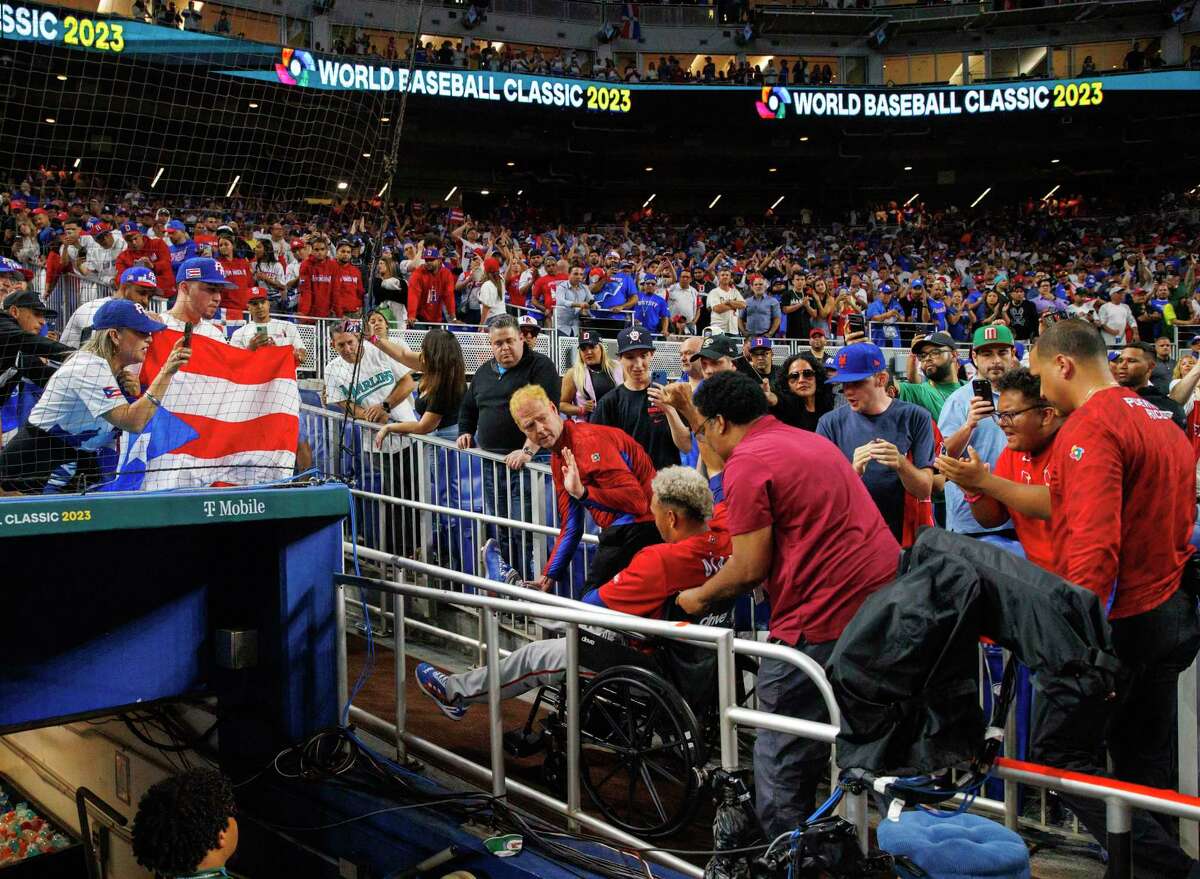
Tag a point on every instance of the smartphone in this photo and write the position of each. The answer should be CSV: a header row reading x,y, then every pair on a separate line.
x,y
658,377
187,335
982,389
855,323
260,330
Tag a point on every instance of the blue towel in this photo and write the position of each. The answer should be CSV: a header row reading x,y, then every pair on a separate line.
x,y
963,846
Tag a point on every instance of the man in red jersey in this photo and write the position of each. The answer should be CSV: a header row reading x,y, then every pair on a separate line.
x,y
316,281
1017,488
696,544
1123,505
431,289
804,526
150,253
601,470
347,283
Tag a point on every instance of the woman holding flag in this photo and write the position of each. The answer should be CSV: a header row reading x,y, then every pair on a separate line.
x,y
83,405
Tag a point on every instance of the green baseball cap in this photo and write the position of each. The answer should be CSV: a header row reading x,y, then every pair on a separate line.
x,y
996,334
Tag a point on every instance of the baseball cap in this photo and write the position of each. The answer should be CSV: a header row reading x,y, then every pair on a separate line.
x,y
817,331
12,267
97,228
176,226
131,229
296,243
857,362
997,334
716,347
634,338
257,294
529,321
917,284
1113,355
117,314
653,279
431,253
16,204
28,299
203,269
885,288
761,342
491,265
589,337
937,340
139,276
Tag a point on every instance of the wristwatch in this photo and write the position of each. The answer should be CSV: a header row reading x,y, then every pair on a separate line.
x,y
385,406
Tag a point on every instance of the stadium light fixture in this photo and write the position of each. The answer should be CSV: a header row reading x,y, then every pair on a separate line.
x,y
981,196
51,119
908,167
157,177
1046,197
233,185
649,167
343,185
511,164
520,192
772,170
382,191
804,139
1055,161
911,200
385,118
253,106
62,77
77,162
646,203
485,192
777,201
366,155
712,204
450,194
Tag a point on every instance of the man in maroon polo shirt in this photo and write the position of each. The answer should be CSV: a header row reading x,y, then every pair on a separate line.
x,y
804,526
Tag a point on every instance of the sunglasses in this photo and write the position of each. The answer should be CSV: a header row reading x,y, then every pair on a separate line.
x,y
804,373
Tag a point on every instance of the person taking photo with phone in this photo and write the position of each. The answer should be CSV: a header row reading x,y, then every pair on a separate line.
x,y
262,329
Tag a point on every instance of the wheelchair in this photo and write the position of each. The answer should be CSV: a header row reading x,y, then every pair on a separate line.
x,y
648,723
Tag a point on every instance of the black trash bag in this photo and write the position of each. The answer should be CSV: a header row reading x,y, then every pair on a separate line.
x,y
905,670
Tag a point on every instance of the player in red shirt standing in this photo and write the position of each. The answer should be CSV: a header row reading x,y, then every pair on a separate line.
x,y
347,283
238,272
431,289
1123,505
805,527
598,469
316,281
696,544
1017,488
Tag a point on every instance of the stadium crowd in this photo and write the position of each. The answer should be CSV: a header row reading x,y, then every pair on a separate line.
x,y
1043,367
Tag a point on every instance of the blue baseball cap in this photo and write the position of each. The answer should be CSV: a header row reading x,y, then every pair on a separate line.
x,y
121,314
203,269
1113,355
761,342
885,288
653,279
131,229
858,361
1090,282
917,284
139,276
176,226
12,267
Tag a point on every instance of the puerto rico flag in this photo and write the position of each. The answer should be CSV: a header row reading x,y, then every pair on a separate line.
x,y
631,26
230,417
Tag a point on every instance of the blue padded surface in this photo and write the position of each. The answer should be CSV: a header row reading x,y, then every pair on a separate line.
x,y
959,847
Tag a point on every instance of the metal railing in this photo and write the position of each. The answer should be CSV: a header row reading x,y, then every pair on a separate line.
x,y
572,615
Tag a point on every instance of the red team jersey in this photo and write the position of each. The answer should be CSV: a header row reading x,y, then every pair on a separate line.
x,y
233,300
347,289
316,286
659,573
616,472
1026,469
430,292
1122,496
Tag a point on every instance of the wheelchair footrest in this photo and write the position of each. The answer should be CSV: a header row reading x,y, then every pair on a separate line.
x,y
524,743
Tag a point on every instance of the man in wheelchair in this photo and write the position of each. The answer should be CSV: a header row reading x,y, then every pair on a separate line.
x,y
696,547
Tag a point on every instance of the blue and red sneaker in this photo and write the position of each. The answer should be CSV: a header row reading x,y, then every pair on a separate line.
x,y
432,682
496,568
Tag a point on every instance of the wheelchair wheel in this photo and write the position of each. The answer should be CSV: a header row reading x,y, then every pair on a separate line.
x,y
641,751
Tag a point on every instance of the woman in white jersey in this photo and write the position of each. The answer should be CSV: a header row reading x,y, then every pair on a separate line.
x,y
83,405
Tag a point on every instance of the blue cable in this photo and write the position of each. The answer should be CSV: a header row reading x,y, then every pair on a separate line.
x,y
834,799
369,665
